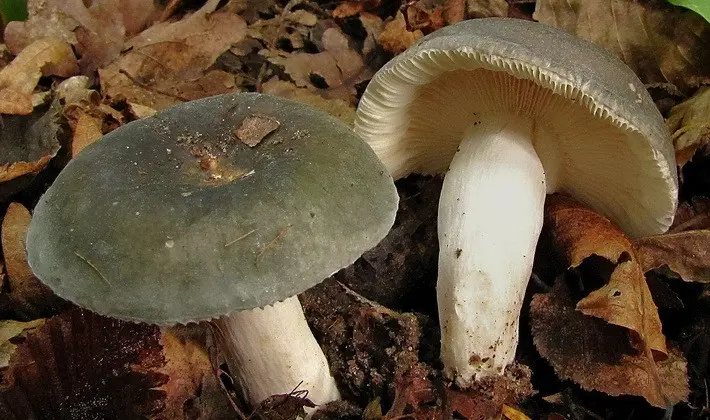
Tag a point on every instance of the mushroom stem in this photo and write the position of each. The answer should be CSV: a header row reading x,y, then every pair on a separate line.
x,y
490,218
272,351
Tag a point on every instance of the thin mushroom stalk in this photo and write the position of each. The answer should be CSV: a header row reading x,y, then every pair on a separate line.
x,y
490,218
272,351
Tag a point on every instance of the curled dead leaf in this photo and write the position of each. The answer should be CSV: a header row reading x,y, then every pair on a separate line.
x,y
600,356
625,300
26,294
396,37
689,123
686,253
9,332
19,78
659,42
28,142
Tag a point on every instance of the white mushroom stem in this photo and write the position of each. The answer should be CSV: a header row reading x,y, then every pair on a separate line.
x,y
490,218
272,351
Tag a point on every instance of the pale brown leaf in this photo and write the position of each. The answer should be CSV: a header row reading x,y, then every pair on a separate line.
x,y
689,124
395,37
487,8
10,329
19,78
659,42
168,62
686,253
335,107
578,233
26,293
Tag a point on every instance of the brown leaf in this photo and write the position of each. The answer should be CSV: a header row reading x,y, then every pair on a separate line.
x,y
692,215
352,8
10,331
255,128
335,107
44,20
689,123
686,253
395,37
168,62
81,365
27,294
487,8
578,233
27,143
192,390
87,130
454,11
19,78
659,42
600,356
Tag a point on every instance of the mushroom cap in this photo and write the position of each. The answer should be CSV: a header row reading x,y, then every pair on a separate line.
x,y
600,135
172,219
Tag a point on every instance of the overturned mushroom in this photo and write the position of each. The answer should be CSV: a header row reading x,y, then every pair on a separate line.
x,y
511,110
172,219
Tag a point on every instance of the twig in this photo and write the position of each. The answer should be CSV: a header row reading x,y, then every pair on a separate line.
x,y
94,267
239,238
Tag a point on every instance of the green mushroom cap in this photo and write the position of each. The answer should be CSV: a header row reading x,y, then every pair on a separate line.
x,y
227,203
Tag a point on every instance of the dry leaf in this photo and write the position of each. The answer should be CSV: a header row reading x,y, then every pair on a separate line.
x,y
26,295
625,300
600,356
27,143
255,128
168,62
79,365
19,78
87,129
692,215
686,253
193,390
487,8
11,330
44,20
661,43
395,37
689,123
352,8
335,107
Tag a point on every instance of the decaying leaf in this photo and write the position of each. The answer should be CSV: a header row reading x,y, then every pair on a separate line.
x,y
10,331
168,62
44,20
659,42
26,294
353,7
487,8
335,107
600,356
192,390
81,365
692,215
579,233
686,253
27,143
689,123
396,37
19,78
255,128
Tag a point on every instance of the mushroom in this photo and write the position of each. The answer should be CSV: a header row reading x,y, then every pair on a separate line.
x,y
175,219
511,110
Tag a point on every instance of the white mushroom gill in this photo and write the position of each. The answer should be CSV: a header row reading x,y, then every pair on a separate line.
x,y
507,134
272,351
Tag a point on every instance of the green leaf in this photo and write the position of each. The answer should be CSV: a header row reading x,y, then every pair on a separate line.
x,y
701,7
13,10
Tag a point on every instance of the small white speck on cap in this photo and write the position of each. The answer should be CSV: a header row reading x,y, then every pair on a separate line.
x,y
169,243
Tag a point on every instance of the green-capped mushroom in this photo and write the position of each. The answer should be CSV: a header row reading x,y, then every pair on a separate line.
x,y
225,207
